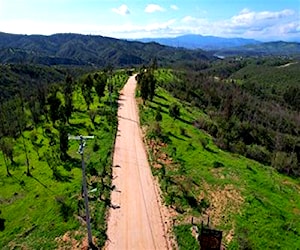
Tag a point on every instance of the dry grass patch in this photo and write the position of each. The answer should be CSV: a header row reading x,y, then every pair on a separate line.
x,y
223,202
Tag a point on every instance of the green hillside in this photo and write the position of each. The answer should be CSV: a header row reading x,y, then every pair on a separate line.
x,y
277,48
88,50
254,205
269,78
223,139
41,206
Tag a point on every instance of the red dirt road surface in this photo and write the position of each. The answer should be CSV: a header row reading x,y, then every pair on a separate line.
x,y
135,220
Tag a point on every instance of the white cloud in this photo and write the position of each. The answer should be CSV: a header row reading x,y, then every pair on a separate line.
x,y
131,30
190,20
122,10
48,27
265,25
250,18
291,28
174,7
153,8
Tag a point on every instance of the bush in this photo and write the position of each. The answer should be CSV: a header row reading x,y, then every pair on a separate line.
x,y
238,147
258,153
174,110
183,131
155,130
96,147
204,142
204,203
2,226
158,116
217,164
66,210
207,125
286,163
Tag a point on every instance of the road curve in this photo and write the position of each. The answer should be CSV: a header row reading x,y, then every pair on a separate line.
x,y
134,220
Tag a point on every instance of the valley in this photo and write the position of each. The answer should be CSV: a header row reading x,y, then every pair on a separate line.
x,y
191,137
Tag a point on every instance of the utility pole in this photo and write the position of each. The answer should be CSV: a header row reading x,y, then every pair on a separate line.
x,y
84,185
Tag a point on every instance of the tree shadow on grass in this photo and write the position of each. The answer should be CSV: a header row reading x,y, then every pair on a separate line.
x,y
161,97
184,121
160,104
58,176
2,224
20,182
211,150
71,163
156,108
175,136
74,127
184,134
109,204
45,186
167,107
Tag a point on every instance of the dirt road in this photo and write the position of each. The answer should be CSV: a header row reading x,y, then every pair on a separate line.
x,y
135,220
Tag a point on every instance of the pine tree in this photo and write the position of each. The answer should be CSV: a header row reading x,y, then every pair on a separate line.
x,y
100,85
63,142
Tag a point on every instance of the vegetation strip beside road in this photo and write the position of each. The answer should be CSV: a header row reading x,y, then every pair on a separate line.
x,y
254,205
40,198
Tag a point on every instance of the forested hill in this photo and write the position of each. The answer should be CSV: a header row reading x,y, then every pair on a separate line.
x,y
16,79
75,49
279,48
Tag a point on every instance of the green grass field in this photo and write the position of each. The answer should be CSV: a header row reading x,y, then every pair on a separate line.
x,y
39,210
254,206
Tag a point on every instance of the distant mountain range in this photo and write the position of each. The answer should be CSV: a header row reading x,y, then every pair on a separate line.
x,y
202,42
75,49
229,46
99,51
269,48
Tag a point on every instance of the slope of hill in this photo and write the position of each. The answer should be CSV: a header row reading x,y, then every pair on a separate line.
x,y
41,203
27,78
202,42
255,206
265,49
75,49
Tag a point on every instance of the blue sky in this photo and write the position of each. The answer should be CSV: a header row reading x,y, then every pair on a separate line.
x,y
259,19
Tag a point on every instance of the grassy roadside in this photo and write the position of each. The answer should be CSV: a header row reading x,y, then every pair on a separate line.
x,y
256,207
46,211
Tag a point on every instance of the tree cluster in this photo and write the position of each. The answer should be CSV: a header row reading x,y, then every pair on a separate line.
x,y
27,112
147,84
243,122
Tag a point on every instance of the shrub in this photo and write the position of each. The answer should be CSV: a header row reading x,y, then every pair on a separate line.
x,y
96,147
207,125
217,164
174,110
204,142
183,131
258,153
158,116
204,203
155,130
66,210
286,163
239,147
2,226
